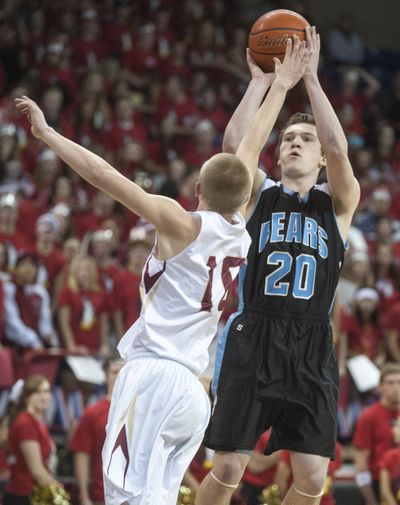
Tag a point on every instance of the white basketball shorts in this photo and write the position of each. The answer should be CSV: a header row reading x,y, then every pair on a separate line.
x,y
159,412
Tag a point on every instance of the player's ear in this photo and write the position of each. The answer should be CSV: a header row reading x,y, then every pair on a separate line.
x,y
197,189
322,162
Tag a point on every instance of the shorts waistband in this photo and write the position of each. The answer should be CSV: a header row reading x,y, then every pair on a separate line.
x,y
275,314
145,354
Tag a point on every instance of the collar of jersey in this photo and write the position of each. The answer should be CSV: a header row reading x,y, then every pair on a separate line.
x,y
287,191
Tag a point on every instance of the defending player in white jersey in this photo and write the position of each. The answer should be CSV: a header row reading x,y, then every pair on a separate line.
x,y
159,409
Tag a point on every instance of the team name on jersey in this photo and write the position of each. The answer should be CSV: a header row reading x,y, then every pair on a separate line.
x,y
289,227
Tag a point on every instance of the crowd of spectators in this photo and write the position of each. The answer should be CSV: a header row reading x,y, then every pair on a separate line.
x,y
150,86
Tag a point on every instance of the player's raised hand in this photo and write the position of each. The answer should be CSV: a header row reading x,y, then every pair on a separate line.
x,y
256,72
292,68
34,114
313,46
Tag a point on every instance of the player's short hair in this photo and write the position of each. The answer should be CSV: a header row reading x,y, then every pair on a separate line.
x,y
225,183
297,118
389,369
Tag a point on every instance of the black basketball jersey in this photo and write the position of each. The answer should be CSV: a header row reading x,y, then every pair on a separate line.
x,y
296,253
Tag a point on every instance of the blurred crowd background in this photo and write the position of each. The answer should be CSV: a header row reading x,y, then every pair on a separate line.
x,y
150,85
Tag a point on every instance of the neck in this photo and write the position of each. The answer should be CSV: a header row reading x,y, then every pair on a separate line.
x,y
44,246
35,413
302,185
390,405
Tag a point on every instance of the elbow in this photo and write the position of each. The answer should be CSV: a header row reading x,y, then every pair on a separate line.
x,y
228,146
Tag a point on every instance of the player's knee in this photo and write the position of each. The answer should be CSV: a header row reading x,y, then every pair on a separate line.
x,y
311,484
229,468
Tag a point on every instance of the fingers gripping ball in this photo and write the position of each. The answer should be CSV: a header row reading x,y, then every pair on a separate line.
x,y
270,33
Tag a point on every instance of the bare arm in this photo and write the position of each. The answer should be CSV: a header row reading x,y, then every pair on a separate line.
x,y
166,214
260,462
393,344
343,186
82,476
386,488
361,457
287,74
282,476
64,317
190,481
247,108
33,459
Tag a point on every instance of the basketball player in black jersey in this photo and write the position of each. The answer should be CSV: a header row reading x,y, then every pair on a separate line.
x,y
276,365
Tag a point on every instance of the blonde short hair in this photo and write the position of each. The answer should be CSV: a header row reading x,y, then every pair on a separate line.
x,y
225,183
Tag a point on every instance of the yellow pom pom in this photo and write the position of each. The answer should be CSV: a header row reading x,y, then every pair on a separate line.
x,y
51,494
186,496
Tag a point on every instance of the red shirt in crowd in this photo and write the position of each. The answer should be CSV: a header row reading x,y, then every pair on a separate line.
x,y
25,427
374,432
86,308
362,338
52,265
391,462
89,438
266,477
127,297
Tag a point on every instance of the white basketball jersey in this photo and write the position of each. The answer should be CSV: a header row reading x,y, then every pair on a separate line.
x,y
183,296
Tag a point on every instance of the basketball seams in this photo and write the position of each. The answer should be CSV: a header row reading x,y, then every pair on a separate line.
x,y
287,28
266,54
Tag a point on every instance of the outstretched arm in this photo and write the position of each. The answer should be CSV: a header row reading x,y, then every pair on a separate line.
x,y
166,214
248,106
287,74
343,186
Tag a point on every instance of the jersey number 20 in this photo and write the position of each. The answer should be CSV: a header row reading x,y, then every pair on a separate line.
x,y
304,277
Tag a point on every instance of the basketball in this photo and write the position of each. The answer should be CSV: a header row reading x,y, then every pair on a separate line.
x,y
269,34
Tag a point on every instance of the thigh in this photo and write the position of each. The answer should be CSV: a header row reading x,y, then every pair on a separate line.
x,y
308,466
239,409
160,409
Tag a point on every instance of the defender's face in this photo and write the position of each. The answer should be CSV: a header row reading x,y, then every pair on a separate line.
x,y
300,151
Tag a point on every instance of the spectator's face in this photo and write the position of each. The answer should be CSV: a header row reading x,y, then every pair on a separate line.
x,y
71,248
39,400
8,214
367,306
390,389
25,271
138,254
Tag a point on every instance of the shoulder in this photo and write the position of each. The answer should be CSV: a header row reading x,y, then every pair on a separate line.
x,y
371,413
93,410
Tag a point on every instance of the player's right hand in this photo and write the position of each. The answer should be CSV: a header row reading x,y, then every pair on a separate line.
x,y
256,72
34,114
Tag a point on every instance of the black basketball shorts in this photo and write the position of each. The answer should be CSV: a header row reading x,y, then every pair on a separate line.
x,y
280,373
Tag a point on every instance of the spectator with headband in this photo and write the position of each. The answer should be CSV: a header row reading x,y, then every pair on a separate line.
x,y
29,442
377,431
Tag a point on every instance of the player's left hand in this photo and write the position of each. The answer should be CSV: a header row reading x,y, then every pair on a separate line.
x,y
34,114
256,72
313,46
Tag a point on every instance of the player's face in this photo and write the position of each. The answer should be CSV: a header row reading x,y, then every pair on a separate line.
x,y
390,389
300,151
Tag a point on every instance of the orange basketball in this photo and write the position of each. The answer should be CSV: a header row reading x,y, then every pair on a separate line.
x,y
269,34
